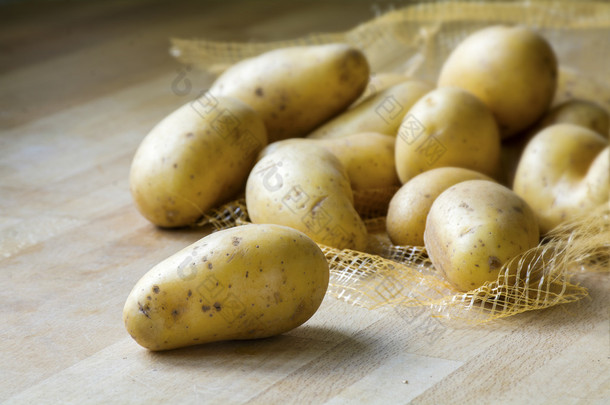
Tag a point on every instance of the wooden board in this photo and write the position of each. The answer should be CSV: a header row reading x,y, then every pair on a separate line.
x,y
81,83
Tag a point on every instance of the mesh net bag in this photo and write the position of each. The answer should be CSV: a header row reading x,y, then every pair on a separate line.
x,y
415,40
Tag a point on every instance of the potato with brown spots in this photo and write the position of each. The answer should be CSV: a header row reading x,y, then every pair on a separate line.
x,y
306,187
296,89
197,157
473,228
248,282
408,210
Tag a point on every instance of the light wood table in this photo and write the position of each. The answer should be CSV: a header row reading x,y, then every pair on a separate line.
x,y
81,83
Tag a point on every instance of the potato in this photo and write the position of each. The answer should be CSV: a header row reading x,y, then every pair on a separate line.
x,y
368,157
378,83
578,112
296,89
447,127
408,210
194,159
382,112
513,70
473,228
305,187
564,171
248,282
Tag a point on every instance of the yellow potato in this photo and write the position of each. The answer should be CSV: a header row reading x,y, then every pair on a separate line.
x,y
408,210
578,112
298,88
248,282
513,70
447,127
368,157
382,112
194,159
379,82
473,228
305,187
564,171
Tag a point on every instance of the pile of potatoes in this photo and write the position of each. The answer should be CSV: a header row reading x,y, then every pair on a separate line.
x,y
482,164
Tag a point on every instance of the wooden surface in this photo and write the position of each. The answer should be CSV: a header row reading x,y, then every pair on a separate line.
x,y
80,84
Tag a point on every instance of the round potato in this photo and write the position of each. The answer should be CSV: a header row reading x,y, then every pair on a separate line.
x,y
473,228
447,127
513,70
304,186
197,157
564,171
298,88
248,282
368,157
408,209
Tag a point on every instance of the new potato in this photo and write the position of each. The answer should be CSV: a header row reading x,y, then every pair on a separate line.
x,y
578,112
447,127
564,171
367,157
473,228
304,186
248,282
381,112
195,158
298,88
513,70
408,210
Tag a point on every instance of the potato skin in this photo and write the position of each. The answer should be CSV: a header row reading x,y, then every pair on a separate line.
x,y
194,159
473,228
368,157
298,88
379,82
408,209
513,70
248,282
447,127
578,112
304,186
381,112
564,171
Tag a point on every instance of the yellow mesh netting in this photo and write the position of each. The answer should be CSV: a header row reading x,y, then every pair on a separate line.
x,y
416,40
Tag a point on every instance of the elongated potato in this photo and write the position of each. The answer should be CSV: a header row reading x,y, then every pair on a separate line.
x,y
382,112
473,228
564,171
368,157
197,157
379,82
305,187
298,88
248,282
408,210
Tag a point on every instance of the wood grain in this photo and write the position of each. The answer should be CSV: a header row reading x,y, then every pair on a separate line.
x,y
81,83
